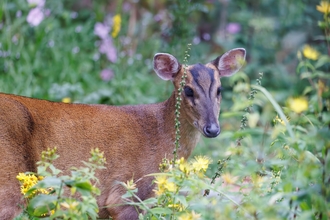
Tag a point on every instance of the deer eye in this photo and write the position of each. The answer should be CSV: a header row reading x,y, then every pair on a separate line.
x,y
219,91
188,91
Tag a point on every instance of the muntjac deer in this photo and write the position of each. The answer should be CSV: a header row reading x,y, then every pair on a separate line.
x,y
134,139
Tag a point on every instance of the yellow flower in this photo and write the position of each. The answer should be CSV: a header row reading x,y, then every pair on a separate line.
x,y
66,100
178,207
170,186
201,163
278,119
184,166
190,216
28,181
160,180
51,212
21,176
228,178
298,105
310,53
159,191
116,25
163,185
71,205
324,7
130,185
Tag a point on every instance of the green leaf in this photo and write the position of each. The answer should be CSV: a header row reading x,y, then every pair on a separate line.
x,y
306,75
277,108
322,61
161,211
182,200
41,204
84,185
150,201
49,182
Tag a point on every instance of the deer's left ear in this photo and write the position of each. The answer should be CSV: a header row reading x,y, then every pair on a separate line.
x,y
230,62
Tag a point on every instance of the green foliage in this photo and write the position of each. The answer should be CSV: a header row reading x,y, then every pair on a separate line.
x,y
178,190
64,197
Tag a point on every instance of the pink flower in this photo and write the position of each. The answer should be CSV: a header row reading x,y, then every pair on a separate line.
x,y
108,49
233,28
47,12
35,16
106,75
36,3
101,30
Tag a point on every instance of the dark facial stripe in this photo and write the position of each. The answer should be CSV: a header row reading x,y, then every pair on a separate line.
x,y
196,72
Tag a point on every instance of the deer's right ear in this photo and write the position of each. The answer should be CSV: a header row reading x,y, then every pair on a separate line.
x,y
166,66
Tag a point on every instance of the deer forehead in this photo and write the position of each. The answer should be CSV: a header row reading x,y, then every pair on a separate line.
x,y
203,76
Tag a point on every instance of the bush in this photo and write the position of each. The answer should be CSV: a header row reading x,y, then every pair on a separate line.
x,y
48,194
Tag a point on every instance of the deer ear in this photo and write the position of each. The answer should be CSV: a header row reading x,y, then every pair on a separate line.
x,y
230,62
166,66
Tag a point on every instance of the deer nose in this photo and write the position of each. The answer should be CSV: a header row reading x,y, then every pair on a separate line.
x,y
211,130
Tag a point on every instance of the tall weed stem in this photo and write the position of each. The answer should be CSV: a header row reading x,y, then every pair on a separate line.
x,y
178,104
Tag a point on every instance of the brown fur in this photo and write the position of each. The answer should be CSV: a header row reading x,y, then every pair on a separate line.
x,y
134,139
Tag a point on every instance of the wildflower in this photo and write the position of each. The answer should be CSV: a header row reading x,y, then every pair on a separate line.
x,y
228,178
201,163
116,25
160,180
78,29
178,207
74,15
66,100
51,212
35,16
324,7
298,105
190,216
163,185
108,49
170,186
47,12
233,28
21,176
75,50
106,75
101,30
70,205
130,185
18,14
184,166
28,181
310,53
278,119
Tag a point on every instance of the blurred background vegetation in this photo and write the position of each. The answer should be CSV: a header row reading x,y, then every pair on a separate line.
x,y
101,52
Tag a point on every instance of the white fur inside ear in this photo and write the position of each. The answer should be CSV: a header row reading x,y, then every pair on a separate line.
x,y
166,66
230,62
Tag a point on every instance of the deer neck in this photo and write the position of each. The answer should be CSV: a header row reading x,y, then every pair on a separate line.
x,y
189,135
